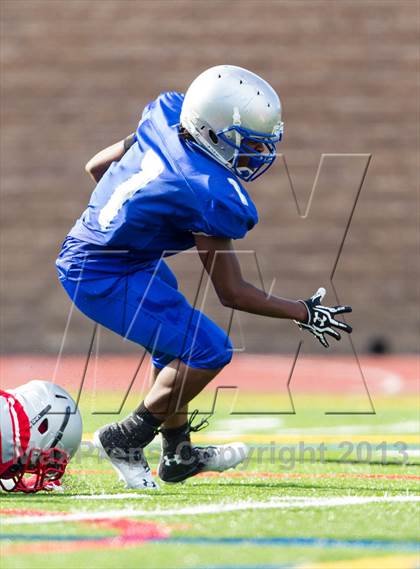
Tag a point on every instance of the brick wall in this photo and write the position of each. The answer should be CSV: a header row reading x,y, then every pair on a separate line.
x,y
75,76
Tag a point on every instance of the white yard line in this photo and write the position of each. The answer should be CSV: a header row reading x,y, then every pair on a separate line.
x,y
231,427
123,496
408,452
275,504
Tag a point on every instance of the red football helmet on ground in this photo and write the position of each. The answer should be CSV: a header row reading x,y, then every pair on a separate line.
x,y
40,430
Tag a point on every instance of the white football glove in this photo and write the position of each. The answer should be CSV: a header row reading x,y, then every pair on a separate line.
x,y
321,319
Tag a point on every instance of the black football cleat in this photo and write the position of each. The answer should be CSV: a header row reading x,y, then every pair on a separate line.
x,y
178,466
116,445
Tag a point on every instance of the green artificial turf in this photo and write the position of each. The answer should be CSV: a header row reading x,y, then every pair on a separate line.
x,y
264,479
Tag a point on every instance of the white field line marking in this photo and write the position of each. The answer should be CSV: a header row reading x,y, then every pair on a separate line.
x,y
408,452
286,502
123,496
132,496
248,424
231,427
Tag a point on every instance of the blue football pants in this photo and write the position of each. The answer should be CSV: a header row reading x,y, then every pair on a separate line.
x,y
146,307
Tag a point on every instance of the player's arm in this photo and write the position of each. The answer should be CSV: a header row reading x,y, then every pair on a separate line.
x,y
99,164
221,262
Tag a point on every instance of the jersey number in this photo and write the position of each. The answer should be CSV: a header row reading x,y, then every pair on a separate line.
x,y
151,167
238,190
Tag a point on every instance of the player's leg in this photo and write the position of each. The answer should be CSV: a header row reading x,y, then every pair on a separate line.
x,y
177,449
180,459
175,386
203,347
177,419
122,442
181,416
145,309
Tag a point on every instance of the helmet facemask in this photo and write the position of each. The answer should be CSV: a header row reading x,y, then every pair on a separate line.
x,y
229,145
44,466
257,162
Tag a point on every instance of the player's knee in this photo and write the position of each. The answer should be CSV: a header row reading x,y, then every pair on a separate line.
x,y
215,355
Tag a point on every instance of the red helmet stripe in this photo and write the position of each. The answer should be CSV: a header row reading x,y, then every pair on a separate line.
x,y
23,423
19,423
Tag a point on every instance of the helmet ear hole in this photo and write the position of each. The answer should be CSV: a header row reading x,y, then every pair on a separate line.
x,y
213,136
43,427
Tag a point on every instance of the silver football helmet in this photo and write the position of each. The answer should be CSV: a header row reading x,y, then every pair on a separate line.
x,y
234,116
55,434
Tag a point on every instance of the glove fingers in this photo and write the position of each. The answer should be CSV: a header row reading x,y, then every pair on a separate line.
x,y
342,326
342,309
333,333
319,295
323,340
318,335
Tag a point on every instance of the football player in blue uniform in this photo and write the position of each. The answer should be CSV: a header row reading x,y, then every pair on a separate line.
x,y
174,184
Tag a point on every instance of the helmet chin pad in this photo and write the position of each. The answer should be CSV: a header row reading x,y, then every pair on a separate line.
x,y
44,466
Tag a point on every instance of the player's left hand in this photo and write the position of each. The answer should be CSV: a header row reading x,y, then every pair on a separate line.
x,y
321,319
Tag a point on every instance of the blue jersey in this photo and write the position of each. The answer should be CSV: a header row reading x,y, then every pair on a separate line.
x,y
161,192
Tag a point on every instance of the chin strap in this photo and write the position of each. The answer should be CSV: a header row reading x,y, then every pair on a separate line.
x,y
60,431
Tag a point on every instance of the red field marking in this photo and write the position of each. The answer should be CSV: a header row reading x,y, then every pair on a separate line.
x,y
385,375
25,512
88,471
132,530
132,533
241,474
47,547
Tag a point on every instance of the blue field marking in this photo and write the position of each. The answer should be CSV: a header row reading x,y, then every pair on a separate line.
x,y
299,541
260,541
